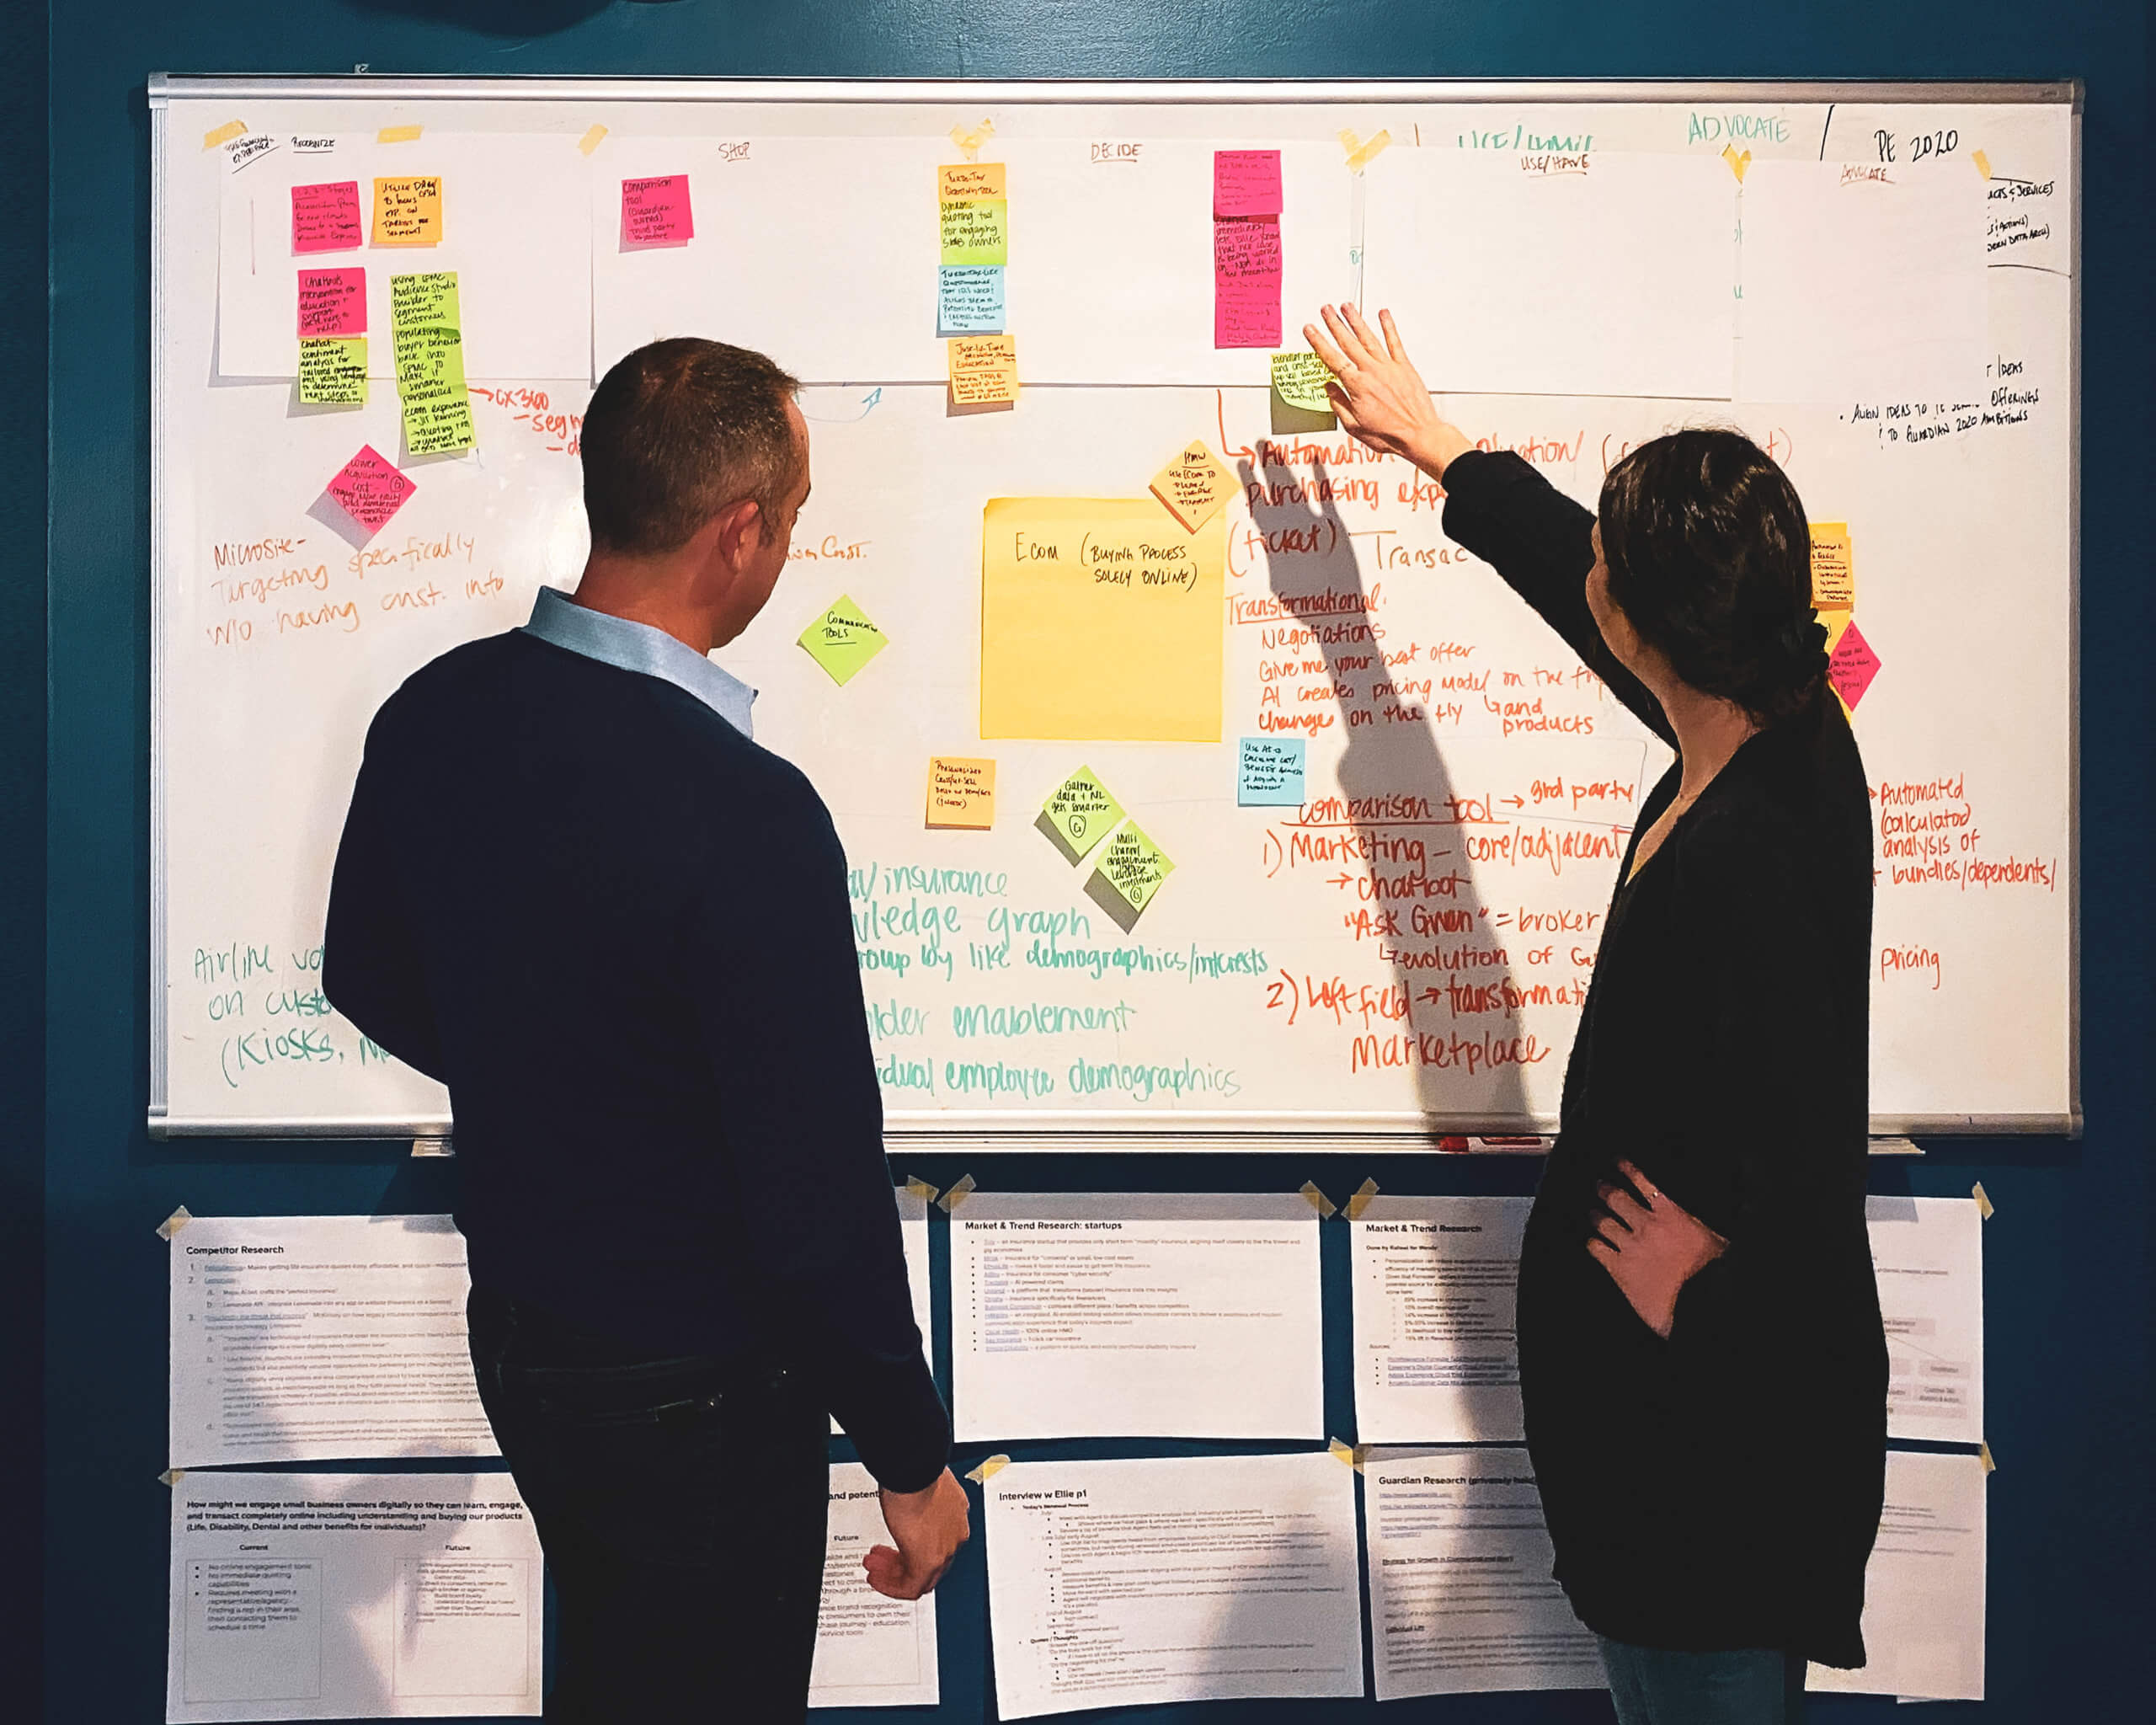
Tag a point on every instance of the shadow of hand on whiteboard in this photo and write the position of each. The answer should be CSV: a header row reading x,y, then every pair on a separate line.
x,y
1402,875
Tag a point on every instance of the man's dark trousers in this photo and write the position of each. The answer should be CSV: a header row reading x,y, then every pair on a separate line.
x,y
681,1505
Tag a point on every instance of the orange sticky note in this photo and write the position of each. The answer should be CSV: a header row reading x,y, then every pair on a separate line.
x,y
983,369
408,210
970,179
961,793
1833,567
1193,485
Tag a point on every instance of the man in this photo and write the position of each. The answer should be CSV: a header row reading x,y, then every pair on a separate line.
x,y
572,887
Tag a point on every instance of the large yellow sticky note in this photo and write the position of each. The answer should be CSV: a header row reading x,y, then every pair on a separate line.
x,y
408,210
961,792
1833,567
983,369
1100,619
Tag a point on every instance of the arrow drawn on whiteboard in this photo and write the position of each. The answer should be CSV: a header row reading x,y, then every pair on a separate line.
x,y
846,407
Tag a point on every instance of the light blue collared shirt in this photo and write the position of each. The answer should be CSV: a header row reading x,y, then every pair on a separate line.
x,y
560,621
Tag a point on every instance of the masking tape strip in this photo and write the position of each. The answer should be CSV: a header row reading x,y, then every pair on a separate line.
x,y
960,1191
398,134
1360,1200
592,140
172,1475
1984,1456
433,1146
222,134
1982,161
988,1470
173,1223
1738,163
1361,152
1983,1202
920,1189
970,139
1318,1201
1347,1456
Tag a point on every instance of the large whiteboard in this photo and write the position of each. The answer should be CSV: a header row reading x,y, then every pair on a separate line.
x,y
1406,951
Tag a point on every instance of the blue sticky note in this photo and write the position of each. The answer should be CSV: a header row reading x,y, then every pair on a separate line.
x,y
1269,773
969,299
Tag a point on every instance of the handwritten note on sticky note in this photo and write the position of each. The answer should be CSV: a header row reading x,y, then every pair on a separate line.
x,y
1299,379
656,212
1132,867
408,210
426,324
969,298
1246,182
983,369
961,793
1247,272
333,372
1269,772
370,490
1851,665
1101,618
970,179
1079,814
1833,567
326,218
842,640
332,302
975,230
1193,485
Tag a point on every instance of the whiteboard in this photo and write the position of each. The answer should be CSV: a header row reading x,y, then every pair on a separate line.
x,y
1402,953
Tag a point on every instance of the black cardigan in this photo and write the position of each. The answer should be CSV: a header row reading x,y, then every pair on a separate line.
x,y
1720,1489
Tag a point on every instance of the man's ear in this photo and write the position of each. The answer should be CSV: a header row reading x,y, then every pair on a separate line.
x,y
741,530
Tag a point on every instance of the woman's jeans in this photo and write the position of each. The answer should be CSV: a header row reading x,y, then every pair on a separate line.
x,y
1752,1686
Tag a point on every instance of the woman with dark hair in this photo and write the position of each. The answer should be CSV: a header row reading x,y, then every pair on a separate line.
x,y
1701,1356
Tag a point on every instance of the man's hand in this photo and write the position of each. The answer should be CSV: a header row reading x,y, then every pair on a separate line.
x,y
1376,393
929,1526
1653,1249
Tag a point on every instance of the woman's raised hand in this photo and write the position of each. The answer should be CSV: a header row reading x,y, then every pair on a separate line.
x,y
1376,393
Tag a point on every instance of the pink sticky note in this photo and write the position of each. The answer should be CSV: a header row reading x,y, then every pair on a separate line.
x,y
1246,182
326,218
1852,665
369,489
1246,282
332,302
655,212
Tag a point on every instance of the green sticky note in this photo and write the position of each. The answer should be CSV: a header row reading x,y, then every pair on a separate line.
x,y
333,371
426,324
842,640
1079,814
975,230
1132,867
1299,380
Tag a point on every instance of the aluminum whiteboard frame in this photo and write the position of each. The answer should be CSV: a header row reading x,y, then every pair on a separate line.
x,y
1069,1131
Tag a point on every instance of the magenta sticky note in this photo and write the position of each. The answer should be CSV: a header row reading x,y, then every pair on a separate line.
x,y
1246,282
1246,182
332,302
1852,665
369,489
326,218
655,212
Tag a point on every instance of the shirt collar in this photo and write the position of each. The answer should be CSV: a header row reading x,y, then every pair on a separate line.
x,y
559,619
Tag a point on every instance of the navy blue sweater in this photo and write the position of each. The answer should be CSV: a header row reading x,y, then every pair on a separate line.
x,y
618,931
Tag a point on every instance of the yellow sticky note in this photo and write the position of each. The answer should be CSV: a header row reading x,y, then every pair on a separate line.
x,y
592,140
1101,618
408,210
983,369
1982,161
1833,567
974,230
398,134
842,639
1193,485
970,179
1299,379
1079,814
333,371
222,134
961,792
1129,871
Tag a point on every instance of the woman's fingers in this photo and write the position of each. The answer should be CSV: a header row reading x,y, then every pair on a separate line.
x,y
1343,333
1335,361
1364,333
1602,1250
1646,1187
1393,345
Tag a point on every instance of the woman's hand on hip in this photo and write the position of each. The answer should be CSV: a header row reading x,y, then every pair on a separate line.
x,y
1652,1246
1376,393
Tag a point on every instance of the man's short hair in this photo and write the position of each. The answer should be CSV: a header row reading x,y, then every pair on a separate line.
x,y
676,432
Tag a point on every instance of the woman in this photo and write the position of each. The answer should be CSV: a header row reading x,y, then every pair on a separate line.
x,y
1701,1356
